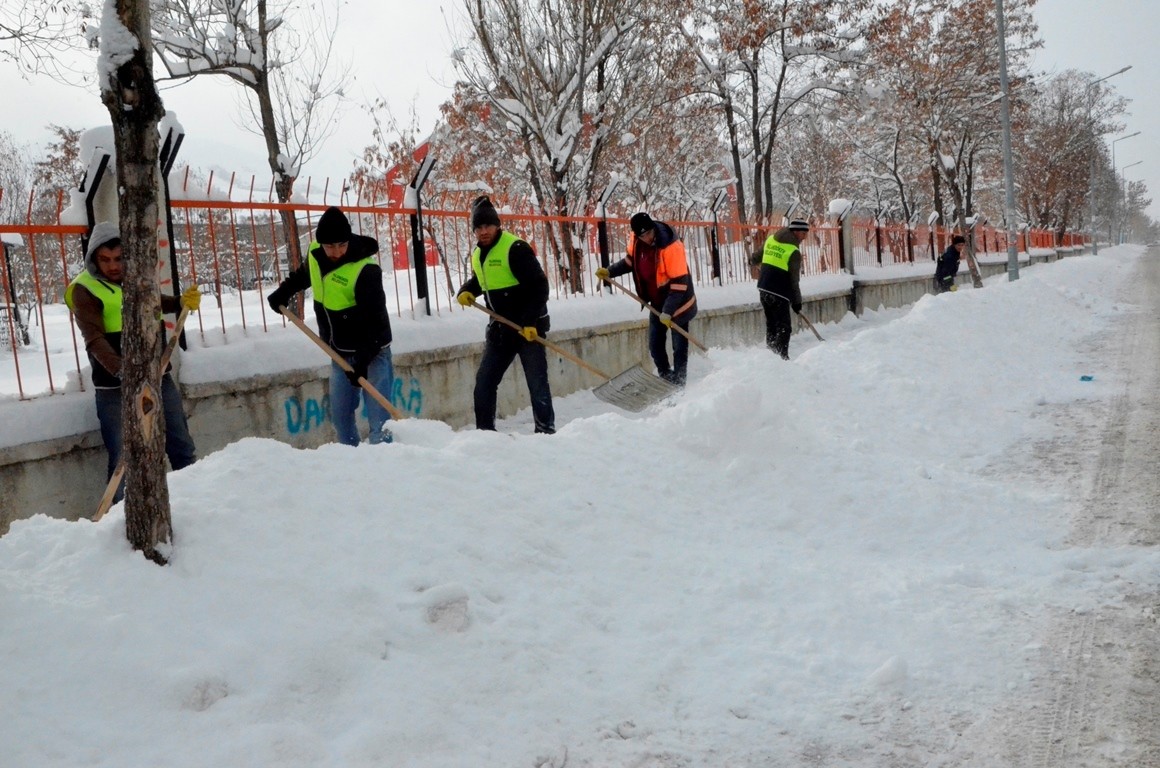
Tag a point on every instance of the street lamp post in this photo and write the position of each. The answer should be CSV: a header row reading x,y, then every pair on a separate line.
x,y
1008,165
1092,165
1115,213
1124,186
1114,141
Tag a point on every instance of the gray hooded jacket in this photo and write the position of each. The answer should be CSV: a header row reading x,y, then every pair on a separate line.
x,y
103,232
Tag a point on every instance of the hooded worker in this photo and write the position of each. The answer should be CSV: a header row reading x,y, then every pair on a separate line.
x,y
948,265
656,258
351,308
97,303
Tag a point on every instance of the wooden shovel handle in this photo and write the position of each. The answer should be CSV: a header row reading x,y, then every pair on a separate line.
x,y
343,364
656,312
554,347
810,325
801,317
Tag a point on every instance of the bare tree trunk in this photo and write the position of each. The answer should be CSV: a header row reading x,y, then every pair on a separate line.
x,y
936,188
574,256
735,157
135,107
283,183
961,208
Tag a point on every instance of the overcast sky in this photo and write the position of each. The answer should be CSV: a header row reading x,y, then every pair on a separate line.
x,y
400,49
1101,38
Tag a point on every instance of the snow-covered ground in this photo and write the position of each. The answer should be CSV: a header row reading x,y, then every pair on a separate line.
x,y
844,560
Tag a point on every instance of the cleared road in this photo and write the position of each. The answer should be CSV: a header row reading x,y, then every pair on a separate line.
x,y
1096,699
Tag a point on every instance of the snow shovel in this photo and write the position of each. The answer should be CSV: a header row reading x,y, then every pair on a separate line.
x,y
651,308
633,390
119,471
369,388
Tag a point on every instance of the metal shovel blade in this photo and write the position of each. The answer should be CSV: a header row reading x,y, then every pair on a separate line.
x,y
635,389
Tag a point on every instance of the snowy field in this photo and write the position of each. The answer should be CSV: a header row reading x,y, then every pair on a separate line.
x,y
825,562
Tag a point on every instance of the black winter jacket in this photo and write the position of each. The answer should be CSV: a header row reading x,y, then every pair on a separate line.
x,y
948,264
361,330
779,282
525,304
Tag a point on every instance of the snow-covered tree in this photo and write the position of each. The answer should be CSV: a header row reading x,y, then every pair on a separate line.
x,y
282,54
477,152
16,176
1056,144
1137,227
767,64
125,74
392,151
566,80
888,164
61,167
35,190
17,278
672,164
819,164
940,60
34,35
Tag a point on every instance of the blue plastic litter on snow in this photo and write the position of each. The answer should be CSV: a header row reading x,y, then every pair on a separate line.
x,y
1086,378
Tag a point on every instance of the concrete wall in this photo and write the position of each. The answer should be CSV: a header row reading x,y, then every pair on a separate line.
x,y
64,477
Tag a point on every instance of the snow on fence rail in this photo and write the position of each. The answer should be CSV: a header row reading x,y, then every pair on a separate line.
x,y
236,252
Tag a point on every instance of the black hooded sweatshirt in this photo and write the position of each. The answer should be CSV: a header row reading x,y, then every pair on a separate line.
x,y
361,330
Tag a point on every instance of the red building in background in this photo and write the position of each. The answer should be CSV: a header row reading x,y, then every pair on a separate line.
x,y
393,187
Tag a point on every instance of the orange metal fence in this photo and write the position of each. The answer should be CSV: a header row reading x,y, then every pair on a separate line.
x,y
236,252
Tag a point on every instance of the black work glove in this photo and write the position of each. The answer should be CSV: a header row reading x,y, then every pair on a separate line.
x,y
360,371
277,299
361,365
797,307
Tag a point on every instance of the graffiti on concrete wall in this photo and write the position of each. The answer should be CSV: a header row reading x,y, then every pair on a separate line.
x,y
303,415
410,402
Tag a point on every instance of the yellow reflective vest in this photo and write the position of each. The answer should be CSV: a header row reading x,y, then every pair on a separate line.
x,y
777,254
335,289
109,294
495,274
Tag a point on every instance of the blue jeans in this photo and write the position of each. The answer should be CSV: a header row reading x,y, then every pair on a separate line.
x,y
344,399
179,445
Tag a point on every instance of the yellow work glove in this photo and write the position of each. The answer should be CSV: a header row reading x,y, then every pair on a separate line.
x,y
666,320
529,333
191,299
465,298
602,274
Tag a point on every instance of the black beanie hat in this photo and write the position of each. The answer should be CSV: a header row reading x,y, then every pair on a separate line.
x,y
641,223
958,239
483,213
333,227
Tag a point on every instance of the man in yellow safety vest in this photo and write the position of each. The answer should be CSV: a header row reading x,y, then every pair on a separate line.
x,y
506,272
779,283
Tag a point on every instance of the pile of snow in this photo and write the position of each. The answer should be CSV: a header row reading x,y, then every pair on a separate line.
x,y
787,560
